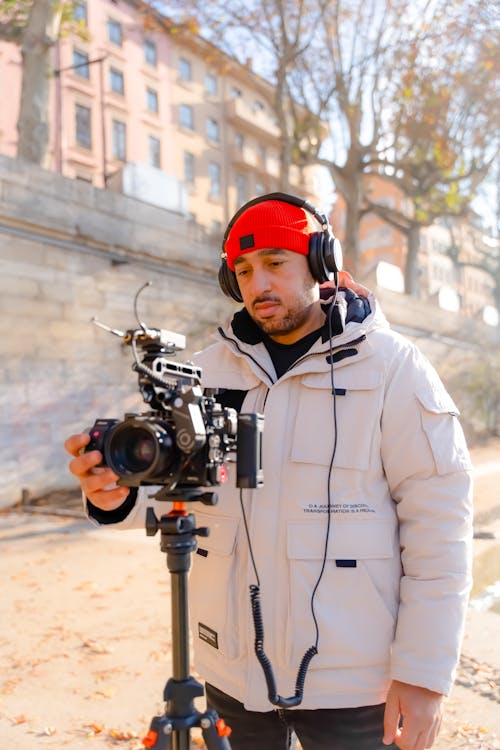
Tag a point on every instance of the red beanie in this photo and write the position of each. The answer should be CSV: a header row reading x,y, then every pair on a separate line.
x,y
272,224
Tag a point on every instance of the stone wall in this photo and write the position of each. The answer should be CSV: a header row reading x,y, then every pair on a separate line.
x,y
69,252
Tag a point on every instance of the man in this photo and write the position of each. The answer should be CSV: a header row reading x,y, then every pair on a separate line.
x,y
360,537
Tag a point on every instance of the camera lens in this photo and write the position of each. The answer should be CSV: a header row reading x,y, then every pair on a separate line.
x,y
138,451
145,449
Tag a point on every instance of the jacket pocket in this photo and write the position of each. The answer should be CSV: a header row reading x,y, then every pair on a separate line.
x,y
356,601
356,412
214,570
443,431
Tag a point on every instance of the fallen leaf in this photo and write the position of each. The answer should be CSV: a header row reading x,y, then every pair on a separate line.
x,y
97,648
85,586
21,719
94,729
122,736
99,694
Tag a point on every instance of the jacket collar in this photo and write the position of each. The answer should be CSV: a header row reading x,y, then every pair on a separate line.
x,y
349,307
258,363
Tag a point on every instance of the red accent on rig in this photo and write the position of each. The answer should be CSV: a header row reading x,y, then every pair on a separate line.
x,y
150,739
222,728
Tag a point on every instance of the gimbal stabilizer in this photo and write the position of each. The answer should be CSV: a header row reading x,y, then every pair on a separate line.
x,y
172,730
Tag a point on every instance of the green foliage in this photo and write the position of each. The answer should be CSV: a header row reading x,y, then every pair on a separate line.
x,y
14,16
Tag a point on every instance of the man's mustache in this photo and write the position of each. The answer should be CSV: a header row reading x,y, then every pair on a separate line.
x,y
265,298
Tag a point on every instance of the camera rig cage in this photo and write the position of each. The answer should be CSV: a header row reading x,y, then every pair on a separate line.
x,y
186,438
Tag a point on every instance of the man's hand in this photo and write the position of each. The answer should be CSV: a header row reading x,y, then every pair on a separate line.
x,y
345,279
421,710
97,482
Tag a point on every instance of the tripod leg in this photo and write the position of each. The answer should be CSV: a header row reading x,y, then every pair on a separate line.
x,y
215,731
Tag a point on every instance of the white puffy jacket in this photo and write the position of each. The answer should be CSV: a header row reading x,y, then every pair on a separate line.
x,y
392,599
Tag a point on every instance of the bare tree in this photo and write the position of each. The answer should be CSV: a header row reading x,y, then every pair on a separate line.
x,y
441,127
35,25
348,63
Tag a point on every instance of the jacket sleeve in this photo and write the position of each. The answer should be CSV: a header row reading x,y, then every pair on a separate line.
x,y
131,514
428,469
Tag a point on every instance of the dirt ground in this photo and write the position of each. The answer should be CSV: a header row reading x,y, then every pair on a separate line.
x,y
85,642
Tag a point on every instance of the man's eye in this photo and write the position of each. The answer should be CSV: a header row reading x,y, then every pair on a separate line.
x,y
241,272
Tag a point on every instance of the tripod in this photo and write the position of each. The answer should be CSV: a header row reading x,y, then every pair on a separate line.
x,y
171,731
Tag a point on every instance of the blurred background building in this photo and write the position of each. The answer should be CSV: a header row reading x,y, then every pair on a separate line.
x,y
162,116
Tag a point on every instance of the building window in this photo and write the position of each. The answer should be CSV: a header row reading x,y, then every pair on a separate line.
x,y
80,11
188,169
241,189
115,32
214,177
215,227
154,152
83,126
213,130
185,70
239,142
186,118
116,81
81,64
235,93
211,84
150,54
119,140
260,189
152,100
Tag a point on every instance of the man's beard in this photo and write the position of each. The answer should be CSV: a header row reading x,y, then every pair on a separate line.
x,y
293,318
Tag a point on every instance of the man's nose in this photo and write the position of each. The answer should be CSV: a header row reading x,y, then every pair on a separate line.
x,y
261,281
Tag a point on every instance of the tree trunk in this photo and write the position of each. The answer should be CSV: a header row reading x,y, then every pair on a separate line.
x,y
350,185
33,123
412,278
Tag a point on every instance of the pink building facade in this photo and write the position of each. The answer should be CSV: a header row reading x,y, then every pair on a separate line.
x,y
109,95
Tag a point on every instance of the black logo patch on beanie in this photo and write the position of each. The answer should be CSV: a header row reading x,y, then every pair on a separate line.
x,y
247,241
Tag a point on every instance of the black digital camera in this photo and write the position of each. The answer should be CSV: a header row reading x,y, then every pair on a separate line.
x,y
183,442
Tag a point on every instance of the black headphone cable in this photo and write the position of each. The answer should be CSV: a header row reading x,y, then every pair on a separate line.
x,y
263,659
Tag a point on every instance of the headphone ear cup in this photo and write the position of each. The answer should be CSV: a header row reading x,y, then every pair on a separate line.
x,y
228,283
316,257
325,256
334,260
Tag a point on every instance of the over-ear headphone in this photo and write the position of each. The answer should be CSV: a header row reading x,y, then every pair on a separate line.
x,y
324,256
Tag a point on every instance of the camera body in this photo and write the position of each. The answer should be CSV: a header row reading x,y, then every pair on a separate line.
x,y
183,442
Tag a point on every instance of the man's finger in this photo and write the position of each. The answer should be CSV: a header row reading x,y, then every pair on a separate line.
x,y
75,443
93,482
82,464
391,720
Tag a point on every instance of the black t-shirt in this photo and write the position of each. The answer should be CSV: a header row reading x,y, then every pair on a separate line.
x,y
284,355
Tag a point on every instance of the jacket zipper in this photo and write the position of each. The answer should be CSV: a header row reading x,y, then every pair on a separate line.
x,y
245,354
333,350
